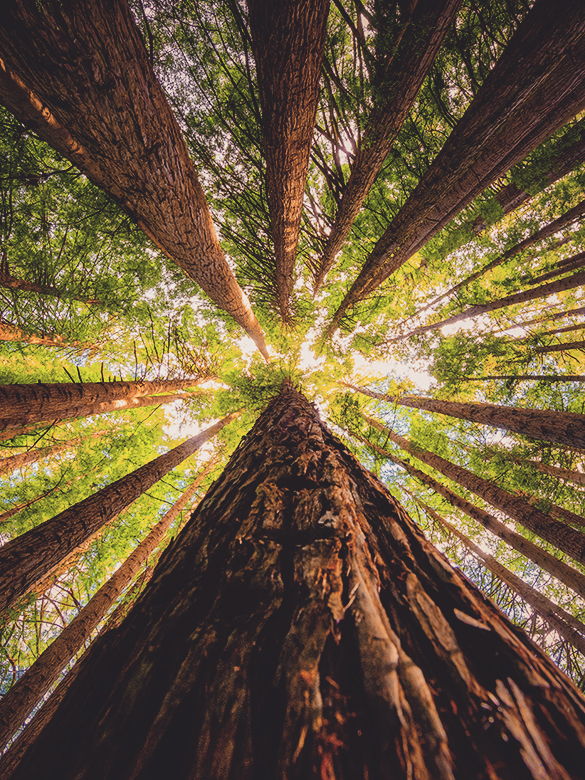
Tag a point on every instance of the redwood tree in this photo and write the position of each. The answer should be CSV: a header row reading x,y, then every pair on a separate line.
x,y
301,626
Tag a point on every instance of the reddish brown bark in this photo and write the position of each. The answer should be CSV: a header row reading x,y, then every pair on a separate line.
x,y
570,264
535,88
565,624
22,404
566,428
25,694
10,332
31,558
413,53
302,627
288,39
13,462
78,74
564,346
527,378
558,534
570,577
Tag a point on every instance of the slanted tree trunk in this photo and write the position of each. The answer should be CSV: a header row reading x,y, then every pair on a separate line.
x,y
27,692
527,377
567,428
568,218
535,87
302,627
35,555
13,462
564,346
565,624
578,477
570,577
22,404
408,61
558,534
570,264
79,75
288,40
10,332
14,283
544,290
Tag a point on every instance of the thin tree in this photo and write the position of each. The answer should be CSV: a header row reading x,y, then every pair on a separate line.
x,y
288,39
22,459
535,87
405,63
542,291
28,691
526,378
114,123
563,622
558,534
300,610
566,574
32,557
567,428
28,403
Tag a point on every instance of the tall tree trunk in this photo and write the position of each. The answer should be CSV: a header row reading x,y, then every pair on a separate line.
x,y
544,290
33,556
418,41
27,692
527,377
535,87
565,624
568,218
558,534
13,462
578,477
570,264
567,428
14,283
570,577
564,346
22,404
302,627
78,74
288,40
11,332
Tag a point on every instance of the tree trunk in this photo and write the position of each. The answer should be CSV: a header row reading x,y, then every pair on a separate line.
x,y
563,347
22,404
535,87
570,577
578,477
558,534
288,39
13,283
547,231
302,627
32,557
27,692
29,457
527,378
565,624
11,758
544,290
78,74
414,52
570,264
10,332
566,428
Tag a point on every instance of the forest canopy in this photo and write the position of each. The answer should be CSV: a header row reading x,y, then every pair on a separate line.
x,y
394,221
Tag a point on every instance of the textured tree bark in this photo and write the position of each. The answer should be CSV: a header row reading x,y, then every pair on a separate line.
x,y
22,404
10,332
78,74
535,88
567,428
578,477
558,534
542,291
13,283
302,627
288,40
414,52
570,577
570,264
567,625
27,692
32,557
